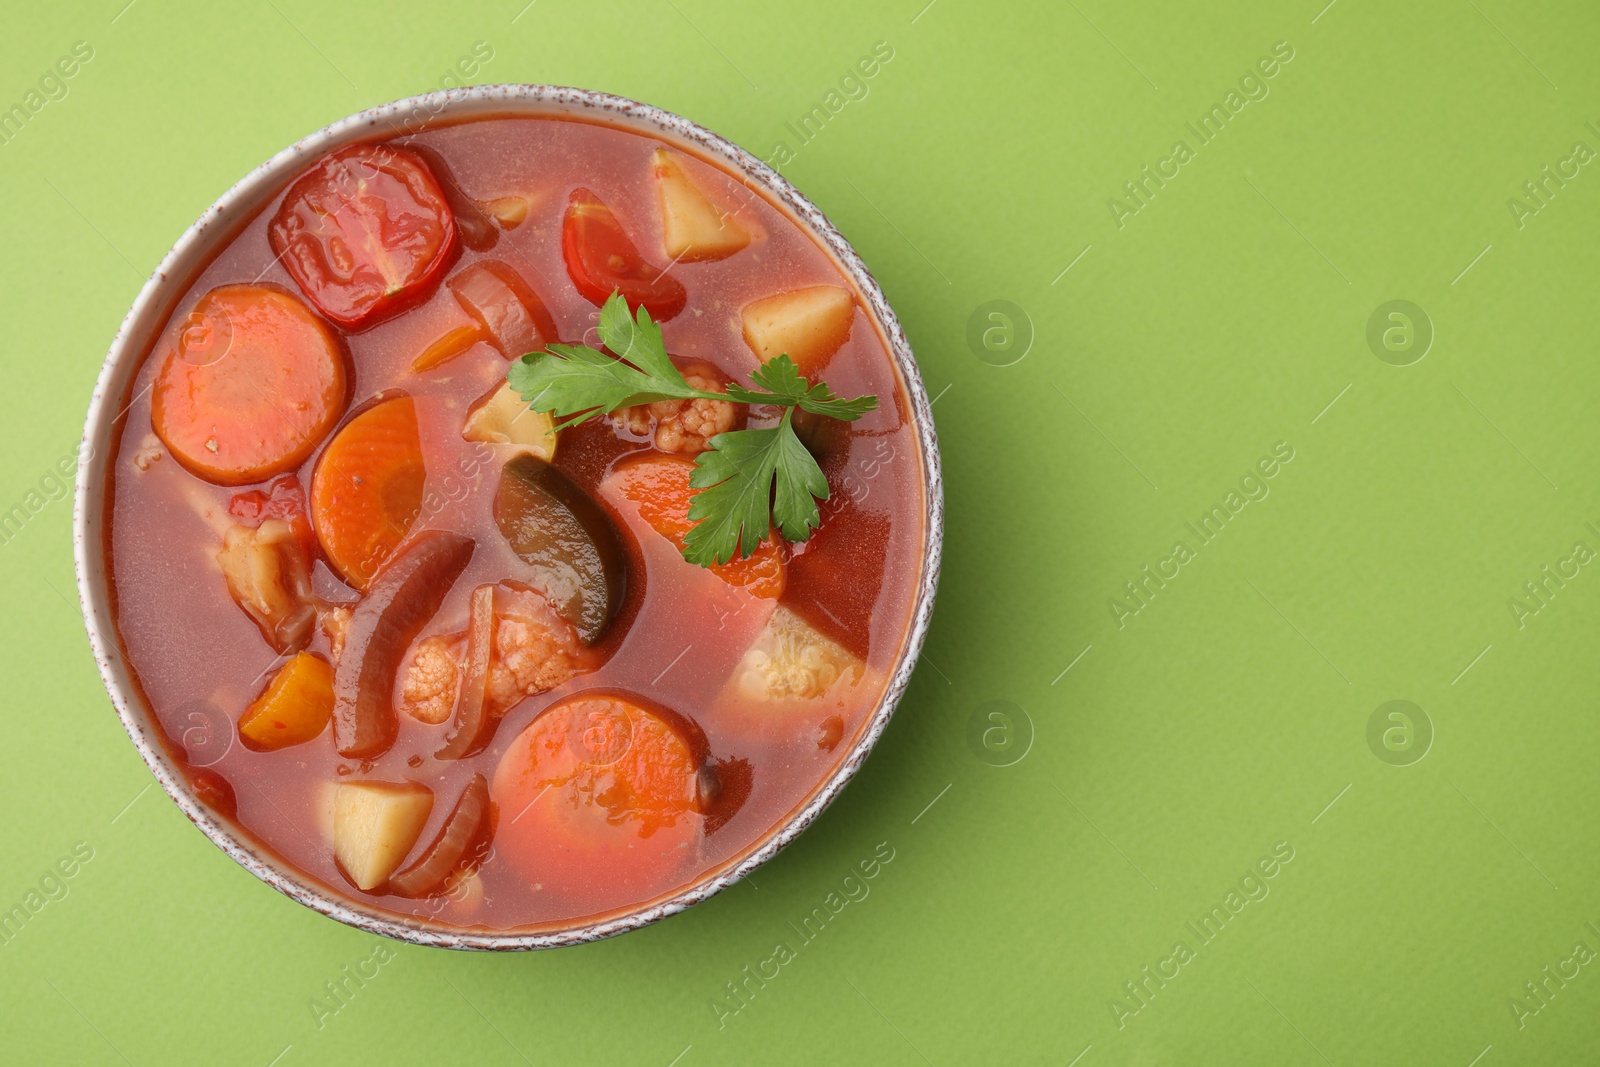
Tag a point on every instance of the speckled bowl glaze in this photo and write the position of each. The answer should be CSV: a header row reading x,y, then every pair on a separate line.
x,y
188,257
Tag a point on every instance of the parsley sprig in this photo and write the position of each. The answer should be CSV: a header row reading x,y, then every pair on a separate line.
x,y
749,480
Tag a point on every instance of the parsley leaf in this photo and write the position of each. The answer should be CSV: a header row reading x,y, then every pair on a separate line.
x,y
783,381
749,481
738,504
575,382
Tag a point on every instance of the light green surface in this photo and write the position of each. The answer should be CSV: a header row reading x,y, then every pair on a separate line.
x,y
1228,715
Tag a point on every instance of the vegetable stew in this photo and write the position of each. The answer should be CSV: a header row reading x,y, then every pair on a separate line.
x,y
534,511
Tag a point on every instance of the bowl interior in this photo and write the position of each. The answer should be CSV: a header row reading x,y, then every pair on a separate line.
x,y
211,232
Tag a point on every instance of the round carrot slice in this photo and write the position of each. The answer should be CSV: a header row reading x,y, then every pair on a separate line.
x,y
250,381
367,488
598,800
658,486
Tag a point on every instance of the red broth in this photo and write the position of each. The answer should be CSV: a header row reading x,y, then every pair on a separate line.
x,y
681,639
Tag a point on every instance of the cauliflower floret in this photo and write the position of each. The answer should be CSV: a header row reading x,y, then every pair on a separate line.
x,y
429,691
335,621
684,426
534,651
270,578
791,660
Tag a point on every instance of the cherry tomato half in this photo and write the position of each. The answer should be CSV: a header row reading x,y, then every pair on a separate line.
x,y
600,259
366,234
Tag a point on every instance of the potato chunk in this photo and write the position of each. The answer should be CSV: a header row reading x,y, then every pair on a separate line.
x,y
692,227
791,661
374,826
501,417
809,324
270,578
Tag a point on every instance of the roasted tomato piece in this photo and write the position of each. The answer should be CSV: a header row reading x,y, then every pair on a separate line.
x,y
283,498
366,233
477,229
601,259
214,791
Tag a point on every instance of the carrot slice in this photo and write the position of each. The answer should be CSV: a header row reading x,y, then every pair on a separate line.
x,y
600,798
249,382
658,486
448,345
367,488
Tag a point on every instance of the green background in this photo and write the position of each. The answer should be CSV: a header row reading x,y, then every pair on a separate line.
x,y
1228,715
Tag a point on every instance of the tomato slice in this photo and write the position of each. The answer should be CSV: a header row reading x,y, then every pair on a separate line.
x,y
599,800
281,499
601,259
249,382
366,234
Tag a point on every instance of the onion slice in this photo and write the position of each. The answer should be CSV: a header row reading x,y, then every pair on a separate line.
x,y
401,599
467,734
445,853
505,307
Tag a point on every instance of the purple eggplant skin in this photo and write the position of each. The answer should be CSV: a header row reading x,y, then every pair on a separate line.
x,y
568,541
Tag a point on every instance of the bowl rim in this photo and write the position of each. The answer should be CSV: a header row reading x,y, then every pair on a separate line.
x,y
188,256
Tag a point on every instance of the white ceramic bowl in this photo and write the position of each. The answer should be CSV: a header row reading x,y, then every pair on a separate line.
x,y
177,272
